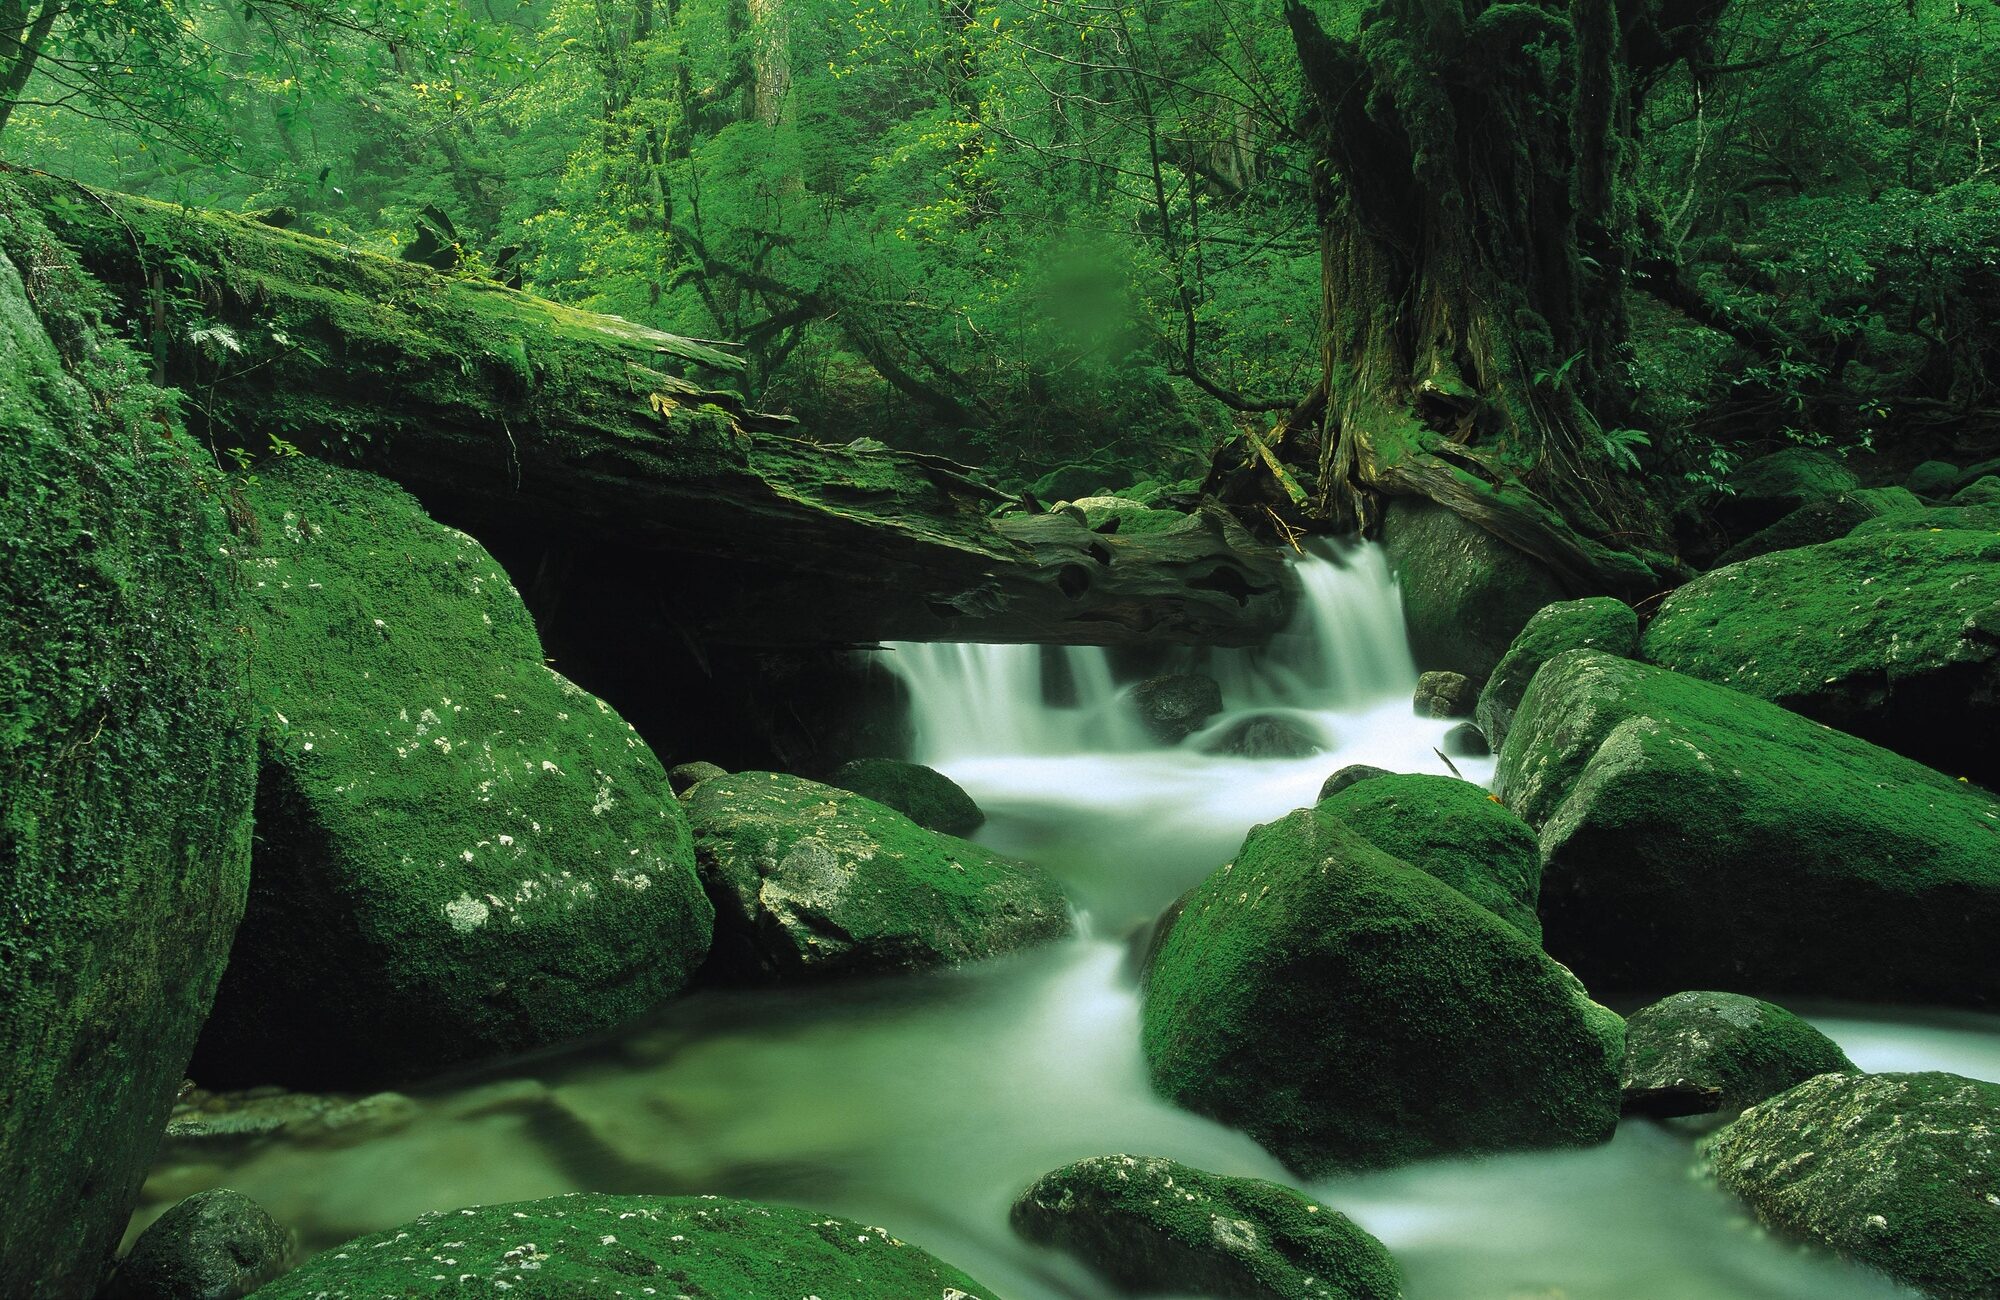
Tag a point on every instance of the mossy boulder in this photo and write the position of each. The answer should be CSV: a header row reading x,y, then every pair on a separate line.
x,y
1765,490
1466,593
1718,1053
460,854
1895,638
1125,516
1979,492
1174,706
1599,623
809,881
126,767
682,777
1455,831
215,1245
626,1248
1984,518
1151,1225
1694,836
923,794
1936,479
1824,521
1351,1012
1896,1171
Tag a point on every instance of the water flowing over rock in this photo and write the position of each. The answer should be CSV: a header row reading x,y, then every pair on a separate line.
x,y
460,854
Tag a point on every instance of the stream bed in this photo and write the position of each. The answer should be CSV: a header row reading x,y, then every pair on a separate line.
x,y
926,1104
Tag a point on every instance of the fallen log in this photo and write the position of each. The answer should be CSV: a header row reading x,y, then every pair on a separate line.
x,y
509,414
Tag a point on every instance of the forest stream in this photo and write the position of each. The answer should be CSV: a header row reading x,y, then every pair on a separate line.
x,y
925,1104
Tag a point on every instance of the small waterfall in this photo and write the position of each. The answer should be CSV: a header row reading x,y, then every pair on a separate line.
x,y
1344,646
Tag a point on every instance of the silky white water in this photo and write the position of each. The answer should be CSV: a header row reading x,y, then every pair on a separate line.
x,y
926,1104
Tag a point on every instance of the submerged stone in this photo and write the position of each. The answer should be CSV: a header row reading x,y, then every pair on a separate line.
x,y
126,767
1717,1053
460,854
1695,836
1894,637
924,795
1896,1171
215,1245
1175,706
810,881
1351,1012
627,1248
1264,737
1151,1225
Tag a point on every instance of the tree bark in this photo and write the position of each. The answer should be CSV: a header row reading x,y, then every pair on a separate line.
x,y
523,420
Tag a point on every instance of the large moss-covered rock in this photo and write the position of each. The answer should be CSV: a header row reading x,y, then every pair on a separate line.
x,y
1893,637
1980,492
810,881
923,794
1350,1011
460,854
1936,479
1599,623
215,1245
1466,593
1696,836
619,1247
1824,520
1765,490
1153,1225
126,769
1716,1053
1453,830
1980,518
1898,1171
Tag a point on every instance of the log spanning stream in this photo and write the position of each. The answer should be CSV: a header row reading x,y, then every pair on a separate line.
x,y
926,1104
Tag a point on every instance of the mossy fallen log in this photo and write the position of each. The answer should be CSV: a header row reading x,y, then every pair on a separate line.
x,y
508,413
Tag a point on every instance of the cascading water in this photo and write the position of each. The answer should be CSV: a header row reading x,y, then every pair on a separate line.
x,y
926,1104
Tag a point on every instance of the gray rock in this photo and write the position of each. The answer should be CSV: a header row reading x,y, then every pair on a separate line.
x,y
1263,737
1445,695
1466,740
215,1245
1352,774
1718,1053
1174,706
1153,1225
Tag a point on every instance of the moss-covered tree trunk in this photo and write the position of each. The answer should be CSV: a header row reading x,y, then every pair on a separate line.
x,y
1471,183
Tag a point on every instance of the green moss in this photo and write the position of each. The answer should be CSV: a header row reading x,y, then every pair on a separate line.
x,y
1349,1011
1600,623
1130,518
924,795
1896,1171
1466,593
460,853
1766,489
1894,637
1717,1053
1981,492
1978,519
125,764
808,880
1455,831
608,1247
1693,836
1824,520
1153,1225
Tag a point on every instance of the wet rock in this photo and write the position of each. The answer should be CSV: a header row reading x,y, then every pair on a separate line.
x,y
1600,623
592,1245
1765,490
1824,521
1454,831
459,854
1893,637
1693,836
1936,479
215,1245
924,795
1466,740
1151,1225
203,1118
1445,695
1352,774
1466,593
1124,517
1718,1053
1175,706
683,777
1350,1012
126,769
1263,737
1896,1171
810,881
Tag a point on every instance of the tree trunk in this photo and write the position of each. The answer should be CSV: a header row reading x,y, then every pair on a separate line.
x,y
1471,199
532,424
